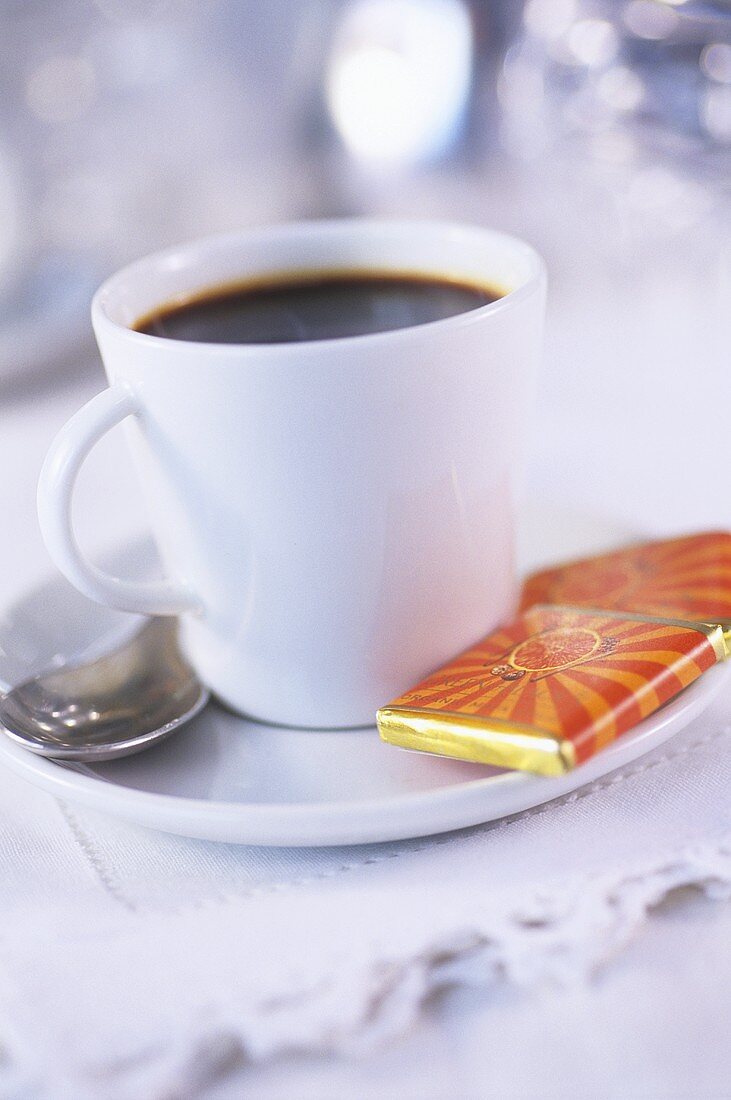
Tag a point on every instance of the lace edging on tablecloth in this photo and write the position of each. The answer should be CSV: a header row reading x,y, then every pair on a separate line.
x,y
555,935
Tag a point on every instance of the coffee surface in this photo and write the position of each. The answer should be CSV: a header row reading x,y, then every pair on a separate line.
x,y
321,307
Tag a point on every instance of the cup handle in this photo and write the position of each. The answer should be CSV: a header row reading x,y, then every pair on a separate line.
x,y
55,493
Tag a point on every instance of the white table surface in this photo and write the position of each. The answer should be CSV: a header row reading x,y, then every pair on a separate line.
x,y
644,445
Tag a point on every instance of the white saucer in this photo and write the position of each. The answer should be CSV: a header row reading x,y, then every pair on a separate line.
x,y
223,778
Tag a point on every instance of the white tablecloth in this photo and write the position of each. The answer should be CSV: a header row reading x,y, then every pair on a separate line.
x,y
136,965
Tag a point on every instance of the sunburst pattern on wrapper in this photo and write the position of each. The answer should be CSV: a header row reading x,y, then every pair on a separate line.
x,y
571,679
682,578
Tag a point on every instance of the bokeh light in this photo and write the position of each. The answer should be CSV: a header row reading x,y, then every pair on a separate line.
x,y
650,20
592,42
398,78
620,88
549,18
715,61
715,112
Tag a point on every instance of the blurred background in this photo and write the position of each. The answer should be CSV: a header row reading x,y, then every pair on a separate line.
x,y
600,130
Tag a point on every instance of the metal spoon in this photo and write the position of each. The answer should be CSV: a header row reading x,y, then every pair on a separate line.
x,y
116,705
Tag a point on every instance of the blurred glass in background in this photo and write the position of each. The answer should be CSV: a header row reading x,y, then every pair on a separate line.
x,y
599,129
125,125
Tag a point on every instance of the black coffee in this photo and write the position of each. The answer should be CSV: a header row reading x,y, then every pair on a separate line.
x,y
318,307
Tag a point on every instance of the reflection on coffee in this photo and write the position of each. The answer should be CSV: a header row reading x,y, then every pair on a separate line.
x,y
320,306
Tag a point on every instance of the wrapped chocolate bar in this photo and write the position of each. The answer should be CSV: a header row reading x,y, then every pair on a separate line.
x,y
683,578
551,689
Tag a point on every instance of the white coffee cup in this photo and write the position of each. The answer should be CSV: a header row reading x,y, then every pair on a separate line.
x,y
336,518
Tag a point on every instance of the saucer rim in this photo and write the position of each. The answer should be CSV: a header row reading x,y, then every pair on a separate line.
x,y
441,809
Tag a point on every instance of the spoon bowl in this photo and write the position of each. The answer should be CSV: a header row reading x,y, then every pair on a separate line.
x,y
116,705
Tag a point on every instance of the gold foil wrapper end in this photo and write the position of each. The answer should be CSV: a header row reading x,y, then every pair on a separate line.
x,y
723,651
465,737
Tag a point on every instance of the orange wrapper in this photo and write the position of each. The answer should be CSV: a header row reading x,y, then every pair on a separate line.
x,y
551,689
682,578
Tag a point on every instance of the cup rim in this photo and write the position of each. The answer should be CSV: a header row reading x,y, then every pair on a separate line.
x,y
183,255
